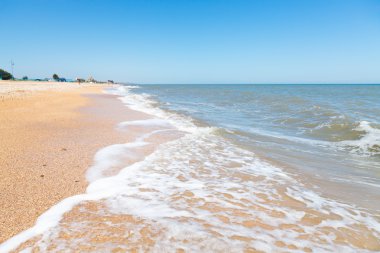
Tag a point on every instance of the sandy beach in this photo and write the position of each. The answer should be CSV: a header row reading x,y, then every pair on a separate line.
x,y
49,135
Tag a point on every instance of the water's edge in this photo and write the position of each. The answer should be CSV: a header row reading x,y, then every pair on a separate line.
x,y
205,165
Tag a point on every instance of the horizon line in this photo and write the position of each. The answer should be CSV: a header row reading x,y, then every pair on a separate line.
x,y
249,83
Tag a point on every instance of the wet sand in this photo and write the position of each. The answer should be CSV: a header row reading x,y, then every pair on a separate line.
x,y
49,136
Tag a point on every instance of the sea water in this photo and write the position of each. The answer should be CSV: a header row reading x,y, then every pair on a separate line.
x,y
329,131
253,168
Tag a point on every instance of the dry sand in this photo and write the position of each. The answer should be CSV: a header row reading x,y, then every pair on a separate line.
x,y
49,134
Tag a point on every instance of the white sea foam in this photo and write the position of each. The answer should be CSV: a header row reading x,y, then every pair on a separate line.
x,y
147,122
179,167
369,144
108,157
195,180
144,103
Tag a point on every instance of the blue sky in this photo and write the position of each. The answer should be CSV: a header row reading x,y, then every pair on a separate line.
x,y
198,41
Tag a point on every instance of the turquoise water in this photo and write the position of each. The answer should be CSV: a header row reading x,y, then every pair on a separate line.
x,y
329,132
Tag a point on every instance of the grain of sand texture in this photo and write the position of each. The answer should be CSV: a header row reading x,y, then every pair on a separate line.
x,y
49,134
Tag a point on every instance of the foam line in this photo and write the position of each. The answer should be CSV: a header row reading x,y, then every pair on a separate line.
x,y
98,188
108,157
145,123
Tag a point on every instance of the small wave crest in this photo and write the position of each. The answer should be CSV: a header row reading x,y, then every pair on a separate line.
x,y
360,138
369,142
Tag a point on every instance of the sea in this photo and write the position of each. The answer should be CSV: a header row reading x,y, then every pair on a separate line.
x,y
255,168
328,132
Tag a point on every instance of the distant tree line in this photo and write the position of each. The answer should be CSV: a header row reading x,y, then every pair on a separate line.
x,y
4,75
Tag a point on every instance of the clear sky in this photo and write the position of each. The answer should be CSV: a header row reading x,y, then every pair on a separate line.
x,y
194,41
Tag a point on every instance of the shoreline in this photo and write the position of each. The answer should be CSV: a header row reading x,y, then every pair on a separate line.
x,y
49,138
180,183
104,114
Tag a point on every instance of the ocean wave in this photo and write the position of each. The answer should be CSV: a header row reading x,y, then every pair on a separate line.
x,y
362,139
368,144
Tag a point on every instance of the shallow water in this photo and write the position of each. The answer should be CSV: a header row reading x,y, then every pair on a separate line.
x,y
216,185
329,131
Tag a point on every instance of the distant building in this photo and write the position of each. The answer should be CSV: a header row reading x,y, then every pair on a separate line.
x,y
110,81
